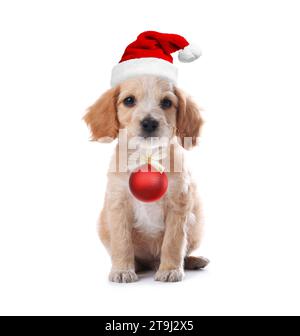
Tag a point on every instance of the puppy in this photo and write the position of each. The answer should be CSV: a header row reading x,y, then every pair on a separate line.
x,y
159,235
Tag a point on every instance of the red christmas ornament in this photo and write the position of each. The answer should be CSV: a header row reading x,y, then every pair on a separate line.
x,y
147,184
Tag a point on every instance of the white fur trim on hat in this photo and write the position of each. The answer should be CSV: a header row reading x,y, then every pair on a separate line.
x,y
143,66
189,54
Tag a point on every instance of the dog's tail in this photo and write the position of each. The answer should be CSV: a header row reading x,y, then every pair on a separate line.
x,y
195,263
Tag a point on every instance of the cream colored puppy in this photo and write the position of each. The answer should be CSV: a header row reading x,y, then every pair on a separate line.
x,y
161,234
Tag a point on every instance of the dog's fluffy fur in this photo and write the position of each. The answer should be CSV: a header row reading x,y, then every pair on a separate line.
x,y
149,235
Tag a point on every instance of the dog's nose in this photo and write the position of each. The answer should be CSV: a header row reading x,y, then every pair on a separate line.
x,y
149,124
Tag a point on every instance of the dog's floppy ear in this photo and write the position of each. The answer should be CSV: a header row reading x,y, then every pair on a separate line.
x,y
188,120
102,117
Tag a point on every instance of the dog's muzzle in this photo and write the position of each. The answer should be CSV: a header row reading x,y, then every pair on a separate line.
x,y
149,125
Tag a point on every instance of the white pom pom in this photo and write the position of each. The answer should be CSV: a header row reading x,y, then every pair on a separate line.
x,y
189,54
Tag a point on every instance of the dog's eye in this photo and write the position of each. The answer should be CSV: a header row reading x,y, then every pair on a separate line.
x,y
129,101
166,103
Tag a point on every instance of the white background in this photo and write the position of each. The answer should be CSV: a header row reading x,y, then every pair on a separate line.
x,y
55,60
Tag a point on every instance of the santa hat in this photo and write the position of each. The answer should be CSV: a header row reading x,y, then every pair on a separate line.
x,y
150,54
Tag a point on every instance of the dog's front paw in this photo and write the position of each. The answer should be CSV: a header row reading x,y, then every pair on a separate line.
x,y
169,276
122,276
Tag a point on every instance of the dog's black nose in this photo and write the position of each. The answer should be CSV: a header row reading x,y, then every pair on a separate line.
x,y
149,124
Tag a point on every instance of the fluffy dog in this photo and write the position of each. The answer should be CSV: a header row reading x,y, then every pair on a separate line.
x,y
161,234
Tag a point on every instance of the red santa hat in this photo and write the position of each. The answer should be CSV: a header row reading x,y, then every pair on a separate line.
x,y
150,54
